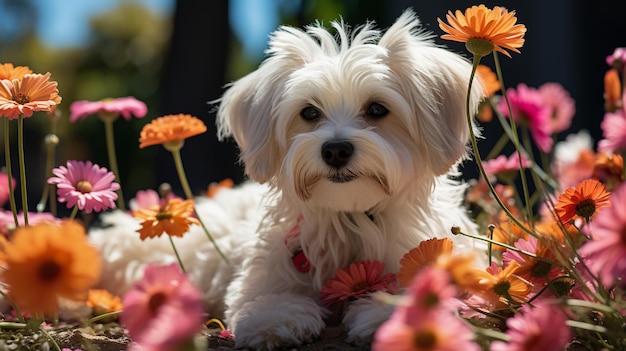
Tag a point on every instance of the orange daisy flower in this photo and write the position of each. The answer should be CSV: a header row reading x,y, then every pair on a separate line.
x,y
499,285
173,218
102,301
427,252
582,201
484,30
171,131
214,188
507,232
46,261
612,90
489,79
34,92
465,275
609,169
7,71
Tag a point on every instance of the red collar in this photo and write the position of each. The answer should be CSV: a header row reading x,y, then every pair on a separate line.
x,y
299,259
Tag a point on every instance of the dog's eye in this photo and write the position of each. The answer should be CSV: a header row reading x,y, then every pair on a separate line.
x,y
310,113
376,110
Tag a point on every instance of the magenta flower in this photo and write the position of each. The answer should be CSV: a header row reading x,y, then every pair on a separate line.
x,y
538,329
439,331
7,223
617,59
605,253
4,187
614,131
359,280
502,164
125,106
86,185
560,103
430,291
529,110
163,310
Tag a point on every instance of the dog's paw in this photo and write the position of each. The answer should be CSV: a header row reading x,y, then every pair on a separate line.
x,y
363,318
272,321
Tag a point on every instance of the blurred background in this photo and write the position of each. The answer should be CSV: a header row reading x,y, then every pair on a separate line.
x,y
177,55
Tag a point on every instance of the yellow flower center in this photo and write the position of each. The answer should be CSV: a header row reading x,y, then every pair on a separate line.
x,y
49,271
425,340
84,186
540,269
479,47
21,98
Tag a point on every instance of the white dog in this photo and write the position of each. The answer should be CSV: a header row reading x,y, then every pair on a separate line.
x,y
354,137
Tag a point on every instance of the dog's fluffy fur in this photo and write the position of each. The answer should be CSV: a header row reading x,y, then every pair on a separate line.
x,y
398,100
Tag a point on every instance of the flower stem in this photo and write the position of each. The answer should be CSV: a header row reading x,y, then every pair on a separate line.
x,y
47,194
103,316
7,157
187,189
18,312
110,141
74,212
49,337
479,162
515,141
180,262
20,154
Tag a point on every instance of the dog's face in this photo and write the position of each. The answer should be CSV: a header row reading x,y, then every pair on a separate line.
x,y
347,124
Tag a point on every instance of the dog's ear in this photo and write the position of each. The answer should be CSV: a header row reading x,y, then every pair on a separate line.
x,y
434,81
248,109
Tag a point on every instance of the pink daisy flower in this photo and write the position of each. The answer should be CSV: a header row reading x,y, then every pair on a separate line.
x,y
528,109
605,253
125,106
359,280
617,58
439,332
146,199
163,310
502,164
7,222
430,290
527,330
4,187
614,131
86,185
560,103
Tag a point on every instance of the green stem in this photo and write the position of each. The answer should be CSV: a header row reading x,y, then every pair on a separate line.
x,y
499,145
7,157
103,316
20,154
180,262
12,325
512,248
187,189
49,337
479,162
74,212
18,312
110,141
515,140
50,147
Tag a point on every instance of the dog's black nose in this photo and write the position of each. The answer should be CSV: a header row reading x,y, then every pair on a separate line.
x,y
337,154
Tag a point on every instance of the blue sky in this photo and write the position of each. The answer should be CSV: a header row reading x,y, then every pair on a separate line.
x,y
65,23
